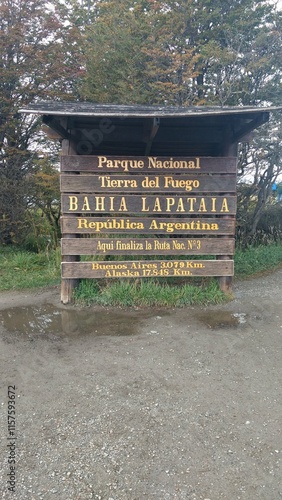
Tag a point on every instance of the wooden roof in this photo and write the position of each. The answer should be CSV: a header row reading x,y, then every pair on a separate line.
x,y
149,130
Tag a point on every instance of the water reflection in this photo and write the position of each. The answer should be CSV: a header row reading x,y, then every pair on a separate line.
x,y
49,320
217,319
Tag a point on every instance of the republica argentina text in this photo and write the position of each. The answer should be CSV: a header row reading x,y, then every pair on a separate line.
x,y
155,225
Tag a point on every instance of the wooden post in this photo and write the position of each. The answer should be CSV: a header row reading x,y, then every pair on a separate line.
x,y
68,285
229,149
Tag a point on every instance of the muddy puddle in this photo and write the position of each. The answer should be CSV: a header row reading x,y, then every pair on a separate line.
x,y
222,319
48,320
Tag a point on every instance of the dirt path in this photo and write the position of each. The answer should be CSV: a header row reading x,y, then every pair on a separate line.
x,y
143,404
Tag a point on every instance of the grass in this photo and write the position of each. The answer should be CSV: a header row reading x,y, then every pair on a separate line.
x,y
254,260
21,269
147,294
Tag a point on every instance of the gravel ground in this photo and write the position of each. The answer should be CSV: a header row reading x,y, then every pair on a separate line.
x,y
143,404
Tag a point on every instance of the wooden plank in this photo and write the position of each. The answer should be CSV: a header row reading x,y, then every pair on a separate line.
x,y
149,225
138,204
174,183
147,269
152,246
153,164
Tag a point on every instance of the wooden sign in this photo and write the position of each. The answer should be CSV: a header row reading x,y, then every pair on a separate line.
x,y
173,183
147,225
147,269
142,246
153,164
137,204
120,203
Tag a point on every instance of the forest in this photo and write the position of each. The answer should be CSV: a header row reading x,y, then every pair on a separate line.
x,y
182,53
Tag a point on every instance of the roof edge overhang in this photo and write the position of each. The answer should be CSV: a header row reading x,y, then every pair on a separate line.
x,y
87,109
143,129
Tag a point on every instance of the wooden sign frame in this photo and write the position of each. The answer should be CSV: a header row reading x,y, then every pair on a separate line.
x,y
139,206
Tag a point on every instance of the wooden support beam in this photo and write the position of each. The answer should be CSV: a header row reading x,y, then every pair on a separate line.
x,y
249,127
151,126
52,134
229,148
68,285
57,127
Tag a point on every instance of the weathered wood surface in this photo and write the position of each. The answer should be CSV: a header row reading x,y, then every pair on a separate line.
x,y
138,204
140,164
152,246
142,225
229,148
147,269
174,183
68,285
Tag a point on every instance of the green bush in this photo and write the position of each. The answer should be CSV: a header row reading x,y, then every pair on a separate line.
x,y
268,230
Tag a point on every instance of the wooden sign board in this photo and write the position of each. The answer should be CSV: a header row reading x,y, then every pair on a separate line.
x,y
150,164
148,225
175,183
175,206
137,204
147,269
142,246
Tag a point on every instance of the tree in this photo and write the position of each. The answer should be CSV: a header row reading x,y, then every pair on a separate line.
x,y
136,52
115,65
35,63
259,168
173,52
45,199
182,52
